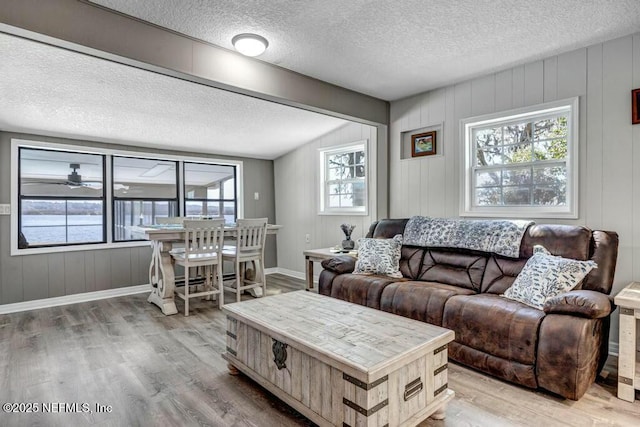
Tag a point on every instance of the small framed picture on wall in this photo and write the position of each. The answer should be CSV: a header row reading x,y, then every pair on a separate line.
x,y
423,144
635,106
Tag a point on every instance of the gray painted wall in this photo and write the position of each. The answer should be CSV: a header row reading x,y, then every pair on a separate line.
x,y
297,197
603,76
29,277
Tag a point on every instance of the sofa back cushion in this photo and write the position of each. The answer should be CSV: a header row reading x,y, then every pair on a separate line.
x,y
450,267
493,274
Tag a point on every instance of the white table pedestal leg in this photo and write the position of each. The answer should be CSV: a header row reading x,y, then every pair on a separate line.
x,y
162,278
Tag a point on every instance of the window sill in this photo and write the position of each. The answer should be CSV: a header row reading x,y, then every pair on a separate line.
x,y
75,248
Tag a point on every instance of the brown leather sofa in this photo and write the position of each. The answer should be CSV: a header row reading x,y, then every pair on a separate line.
x,y
560,349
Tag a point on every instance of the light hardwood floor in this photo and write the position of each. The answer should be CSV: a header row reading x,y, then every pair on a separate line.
x,y
163,371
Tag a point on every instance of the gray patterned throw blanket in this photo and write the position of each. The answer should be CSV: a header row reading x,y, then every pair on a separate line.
x,y
502,237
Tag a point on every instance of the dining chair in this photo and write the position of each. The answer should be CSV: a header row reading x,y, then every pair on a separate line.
x,y
250,241
202,248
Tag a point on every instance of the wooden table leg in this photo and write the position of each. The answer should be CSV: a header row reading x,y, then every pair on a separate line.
x,y
309,269
627,355
162,278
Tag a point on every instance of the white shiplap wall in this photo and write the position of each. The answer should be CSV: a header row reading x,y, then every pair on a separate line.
x,y
297,187
603,75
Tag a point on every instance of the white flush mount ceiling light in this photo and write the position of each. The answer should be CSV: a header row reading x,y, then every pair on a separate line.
x,y
250,44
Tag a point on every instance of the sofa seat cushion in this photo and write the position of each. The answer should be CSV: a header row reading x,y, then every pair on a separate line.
x,y
495,325
419,300
359,289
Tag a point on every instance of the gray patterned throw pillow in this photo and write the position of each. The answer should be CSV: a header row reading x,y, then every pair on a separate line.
x,y
379,256
545,276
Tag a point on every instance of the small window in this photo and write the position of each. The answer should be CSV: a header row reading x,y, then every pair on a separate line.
x,y
210,191
61,198
143,190
344,179
522,163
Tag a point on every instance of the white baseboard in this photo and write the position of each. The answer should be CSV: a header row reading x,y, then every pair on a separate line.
x,y
73,299
292,273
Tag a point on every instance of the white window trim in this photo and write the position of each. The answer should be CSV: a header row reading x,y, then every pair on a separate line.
x,y
569,211
323,152
110,244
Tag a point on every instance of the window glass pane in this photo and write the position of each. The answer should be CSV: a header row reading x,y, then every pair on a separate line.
x,y
229,212
204,209
144,178
549,196
488,196
551,128
516,176
488,179
346,200
517,153
487,138
555,149
51,222
517,196
127,213
489,157
204,181
517,133
229,189
63,174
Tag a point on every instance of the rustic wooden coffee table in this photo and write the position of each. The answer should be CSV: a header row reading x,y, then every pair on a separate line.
x,y
339,363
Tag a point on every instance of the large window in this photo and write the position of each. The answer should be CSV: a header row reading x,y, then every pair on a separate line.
x,y
143,191
210,191
344,179
61,197
522,163
70,197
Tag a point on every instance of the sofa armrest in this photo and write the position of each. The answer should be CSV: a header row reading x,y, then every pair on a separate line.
x,y
340,264
582,303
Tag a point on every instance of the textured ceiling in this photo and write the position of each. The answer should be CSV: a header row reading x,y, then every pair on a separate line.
x,y
50,90
392,49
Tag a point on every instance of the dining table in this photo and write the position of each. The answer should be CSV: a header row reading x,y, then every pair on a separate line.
x,y
161,269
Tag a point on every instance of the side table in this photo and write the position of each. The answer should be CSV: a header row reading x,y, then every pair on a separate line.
x,y
628,362
318,255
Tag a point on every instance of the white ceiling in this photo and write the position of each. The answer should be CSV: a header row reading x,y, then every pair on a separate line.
x,y
388,49
391,49
50,90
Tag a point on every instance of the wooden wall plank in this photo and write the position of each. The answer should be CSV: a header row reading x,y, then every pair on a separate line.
x,y
504,90
617,158
592,202
534,83
102,269
451,154
636,161
483,95
120,268
35,277
296,177
74,273
518,86
550,79
56,274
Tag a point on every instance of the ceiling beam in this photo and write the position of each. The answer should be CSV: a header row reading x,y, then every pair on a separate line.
x,y
90,29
